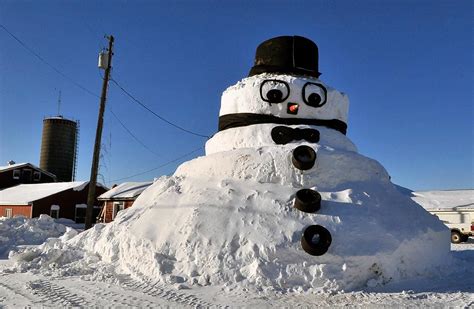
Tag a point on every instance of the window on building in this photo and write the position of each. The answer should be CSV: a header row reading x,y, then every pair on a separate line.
x,y
80,213
16,174
54,213
118,206
36,176
8,212
81,209
26,174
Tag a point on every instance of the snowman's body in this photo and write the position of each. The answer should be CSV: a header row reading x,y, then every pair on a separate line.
x,y
229,217
378,235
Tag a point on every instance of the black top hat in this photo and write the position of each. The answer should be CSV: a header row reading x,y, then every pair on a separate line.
x,y
294,55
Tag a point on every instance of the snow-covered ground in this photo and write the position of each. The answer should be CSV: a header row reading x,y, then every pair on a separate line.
x,y
99,285
36,289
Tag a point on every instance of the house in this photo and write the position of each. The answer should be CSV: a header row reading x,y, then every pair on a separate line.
x,y
23,173
57,199
120,197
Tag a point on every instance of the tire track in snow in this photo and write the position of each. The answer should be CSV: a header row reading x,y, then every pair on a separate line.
x,y
15,291
121,298
51,293
157,290
15,287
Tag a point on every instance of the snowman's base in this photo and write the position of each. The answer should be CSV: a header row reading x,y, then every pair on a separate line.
x,y
229,219
213,232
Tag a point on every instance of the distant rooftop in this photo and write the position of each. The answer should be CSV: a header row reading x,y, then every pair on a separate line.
x,y
18,165
27,193
10,166
126,190
445,200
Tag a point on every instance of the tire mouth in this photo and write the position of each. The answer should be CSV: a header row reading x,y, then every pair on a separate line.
x,y
316,240
304,157
282,135
307,200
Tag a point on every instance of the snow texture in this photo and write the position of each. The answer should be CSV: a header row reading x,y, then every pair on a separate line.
x,y
21,231
227,219
87,282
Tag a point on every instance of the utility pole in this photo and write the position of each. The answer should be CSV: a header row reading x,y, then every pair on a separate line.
x,y
98,136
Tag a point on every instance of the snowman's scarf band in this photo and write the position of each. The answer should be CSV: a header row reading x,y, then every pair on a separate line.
x,y
246,119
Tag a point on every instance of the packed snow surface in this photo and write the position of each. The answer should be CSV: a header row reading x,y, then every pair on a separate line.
x,y
90,284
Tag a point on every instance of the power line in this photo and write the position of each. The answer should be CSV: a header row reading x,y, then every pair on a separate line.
x,y
97,96
75,83
158,116
162,165
47,63
92,93
131,134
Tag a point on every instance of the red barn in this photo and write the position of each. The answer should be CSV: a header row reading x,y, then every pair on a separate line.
x,y
120,197
21,173
58,200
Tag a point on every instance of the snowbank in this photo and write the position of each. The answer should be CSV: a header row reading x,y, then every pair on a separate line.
x,y
56,258
22,231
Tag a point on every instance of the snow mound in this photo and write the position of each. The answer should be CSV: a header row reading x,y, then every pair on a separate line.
x,y
23,231
228,219
55,257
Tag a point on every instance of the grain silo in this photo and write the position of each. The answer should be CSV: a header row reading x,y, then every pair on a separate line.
x,y
59,147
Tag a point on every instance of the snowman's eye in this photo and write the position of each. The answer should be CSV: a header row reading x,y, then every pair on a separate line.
x,y
314,94
274,91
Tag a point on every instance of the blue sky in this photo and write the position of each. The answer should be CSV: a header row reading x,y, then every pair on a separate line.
x,y
407,67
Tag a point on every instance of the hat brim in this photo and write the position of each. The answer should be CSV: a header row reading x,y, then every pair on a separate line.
x,y
259,69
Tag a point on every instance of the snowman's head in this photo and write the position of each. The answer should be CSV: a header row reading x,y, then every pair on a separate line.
x,y
284,87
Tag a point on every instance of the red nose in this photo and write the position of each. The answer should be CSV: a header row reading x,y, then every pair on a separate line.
x,y
292,108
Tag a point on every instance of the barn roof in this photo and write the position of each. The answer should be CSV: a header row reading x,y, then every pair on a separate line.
x,y
126,190
27,193
18,165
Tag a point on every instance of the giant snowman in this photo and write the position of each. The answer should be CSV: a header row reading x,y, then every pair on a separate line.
x,y
281,200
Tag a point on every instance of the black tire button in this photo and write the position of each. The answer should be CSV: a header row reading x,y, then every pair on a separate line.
x,y
304,157
316,240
